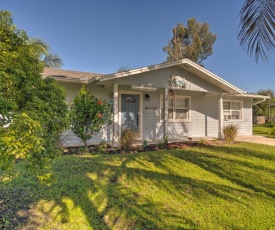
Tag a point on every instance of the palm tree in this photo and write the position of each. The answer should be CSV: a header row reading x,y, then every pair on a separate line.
x,y
257,27
41,49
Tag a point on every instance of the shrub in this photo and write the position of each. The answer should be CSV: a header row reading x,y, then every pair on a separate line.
x,y
102,147
202,141
127,138
145,143
166,142
88,115
82,150
230,132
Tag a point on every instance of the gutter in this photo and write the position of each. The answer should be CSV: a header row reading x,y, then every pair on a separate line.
x,y
238,95
247,95
258,102
93,80
70,80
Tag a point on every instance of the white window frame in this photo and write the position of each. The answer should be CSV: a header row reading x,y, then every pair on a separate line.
x,y
232,110
174,108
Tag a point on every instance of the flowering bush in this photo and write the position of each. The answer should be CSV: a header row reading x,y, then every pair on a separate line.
x,y
88,115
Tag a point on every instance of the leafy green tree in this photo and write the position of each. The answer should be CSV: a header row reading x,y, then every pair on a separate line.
x,y
88,115
22,139
123,69
257,28
193,42
33,111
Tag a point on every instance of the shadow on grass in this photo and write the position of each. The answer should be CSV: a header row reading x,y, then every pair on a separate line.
x,y
231,163
118,191
105,202
263,130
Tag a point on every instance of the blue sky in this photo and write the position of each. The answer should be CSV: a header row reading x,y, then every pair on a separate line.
x,y
103,36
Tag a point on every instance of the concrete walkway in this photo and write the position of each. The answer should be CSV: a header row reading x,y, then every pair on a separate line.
x,y
256,139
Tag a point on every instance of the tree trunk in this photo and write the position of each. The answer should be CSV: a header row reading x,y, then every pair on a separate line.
x,y
86,140
86,145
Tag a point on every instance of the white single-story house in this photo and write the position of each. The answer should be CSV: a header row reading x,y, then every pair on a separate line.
x,y
179,99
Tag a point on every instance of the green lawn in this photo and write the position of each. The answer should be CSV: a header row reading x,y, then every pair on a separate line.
x,y
262,130
224,187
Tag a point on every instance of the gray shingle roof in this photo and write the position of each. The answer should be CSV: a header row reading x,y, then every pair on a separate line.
x,y
68,75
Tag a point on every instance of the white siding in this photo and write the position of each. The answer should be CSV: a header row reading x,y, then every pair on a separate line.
x,y
152,127
204,118
159,79
204,107
245,125
72,89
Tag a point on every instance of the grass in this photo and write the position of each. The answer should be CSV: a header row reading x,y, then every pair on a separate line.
x,y
262,130
223,187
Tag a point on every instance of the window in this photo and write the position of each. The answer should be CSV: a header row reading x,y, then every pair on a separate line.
x,y
130,100
232,110
178,108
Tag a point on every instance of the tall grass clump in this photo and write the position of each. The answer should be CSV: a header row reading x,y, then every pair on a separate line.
x,y
230,132
127,139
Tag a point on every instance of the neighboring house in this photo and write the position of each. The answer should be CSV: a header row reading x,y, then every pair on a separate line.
x,y
179,99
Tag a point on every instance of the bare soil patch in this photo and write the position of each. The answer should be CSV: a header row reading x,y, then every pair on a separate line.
x,y
107,149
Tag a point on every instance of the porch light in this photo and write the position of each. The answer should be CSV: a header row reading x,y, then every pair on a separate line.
x,y
143,88
147,96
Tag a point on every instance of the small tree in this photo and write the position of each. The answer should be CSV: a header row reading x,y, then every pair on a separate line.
x,y
33,111
88,115
193,42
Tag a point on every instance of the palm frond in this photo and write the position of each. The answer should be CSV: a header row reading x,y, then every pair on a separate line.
x,y
53,61
257,28
39,45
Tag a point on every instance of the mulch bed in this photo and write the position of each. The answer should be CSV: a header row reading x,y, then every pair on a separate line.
x,y
107,149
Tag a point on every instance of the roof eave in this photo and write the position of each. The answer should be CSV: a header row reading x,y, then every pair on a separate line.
x,y
139,70
69,80
185,64
248,95
213,76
